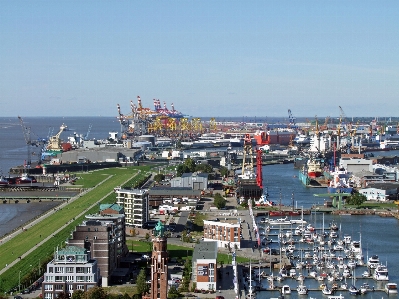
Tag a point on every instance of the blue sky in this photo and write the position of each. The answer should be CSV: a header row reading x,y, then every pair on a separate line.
x,y
209,58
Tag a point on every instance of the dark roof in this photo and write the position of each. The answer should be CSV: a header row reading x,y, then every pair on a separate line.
x,y
205,250
171,191
193,174
383,186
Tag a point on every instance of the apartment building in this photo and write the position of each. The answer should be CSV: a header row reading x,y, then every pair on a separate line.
x,y
227,233
135,205
71,269
204,265
104,237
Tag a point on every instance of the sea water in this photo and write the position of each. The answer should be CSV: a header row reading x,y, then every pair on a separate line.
x,y
378,235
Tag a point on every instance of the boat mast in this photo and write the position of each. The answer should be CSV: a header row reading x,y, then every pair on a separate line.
x,y
250,279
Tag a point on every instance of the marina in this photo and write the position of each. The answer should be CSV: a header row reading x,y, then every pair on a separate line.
x,y
283,185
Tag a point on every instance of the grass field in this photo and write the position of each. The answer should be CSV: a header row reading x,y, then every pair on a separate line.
x,y
31,265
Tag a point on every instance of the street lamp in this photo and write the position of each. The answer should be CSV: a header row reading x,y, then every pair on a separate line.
x,y
19,282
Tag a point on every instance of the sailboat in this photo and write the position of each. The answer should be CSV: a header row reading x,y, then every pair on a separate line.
x,y
353,290
251,294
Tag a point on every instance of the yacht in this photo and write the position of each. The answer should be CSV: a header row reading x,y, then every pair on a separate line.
x,y
373,262
381,273
391,288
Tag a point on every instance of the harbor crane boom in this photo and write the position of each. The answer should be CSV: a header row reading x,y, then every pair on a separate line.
x,y
27,136
291,119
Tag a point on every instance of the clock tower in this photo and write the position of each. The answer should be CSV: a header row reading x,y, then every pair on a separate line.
x,y
159,265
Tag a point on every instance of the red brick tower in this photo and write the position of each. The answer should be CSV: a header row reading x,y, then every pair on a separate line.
x,y
159,265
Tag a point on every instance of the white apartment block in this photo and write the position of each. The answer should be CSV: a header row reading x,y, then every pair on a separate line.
x,y
70,270
135,205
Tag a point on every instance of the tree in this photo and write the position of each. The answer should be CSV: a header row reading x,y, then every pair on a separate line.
x,y
173,293
181,168
142,286
203,167
125,296
96,293
219,201
356,199
63,295
159,177
224,171
190,164
78,294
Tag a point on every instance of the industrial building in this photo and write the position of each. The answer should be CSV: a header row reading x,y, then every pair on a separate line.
x,y
196,181
99,154
156,195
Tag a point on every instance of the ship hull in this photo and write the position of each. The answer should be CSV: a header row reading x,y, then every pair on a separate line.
x,y
339,190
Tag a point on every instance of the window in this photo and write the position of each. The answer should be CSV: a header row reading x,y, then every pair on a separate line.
x,y
59,287
48,287
69,270
80,278
212,279
211,272
59,270
80,287
88,270
80,270
50,269
70,287
69,278
50,278
48,295
59,278
89,278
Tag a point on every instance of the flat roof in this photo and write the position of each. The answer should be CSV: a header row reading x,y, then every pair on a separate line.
x,y
205,250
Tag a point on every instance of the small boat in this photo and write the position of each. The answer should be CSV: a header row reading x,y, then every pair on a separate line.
x,y
302,289
285,289
344,286
280,221
365,287
326,290
3,181
340,296
366,274
25,179
391,288
353,290
334,226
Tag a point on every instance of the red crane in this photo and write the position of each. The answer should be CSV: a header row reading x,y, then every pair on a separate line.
x,y
259,180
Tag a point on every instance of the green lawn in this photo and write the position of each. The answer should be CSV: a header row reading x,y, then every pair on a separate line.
x,y
28,239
